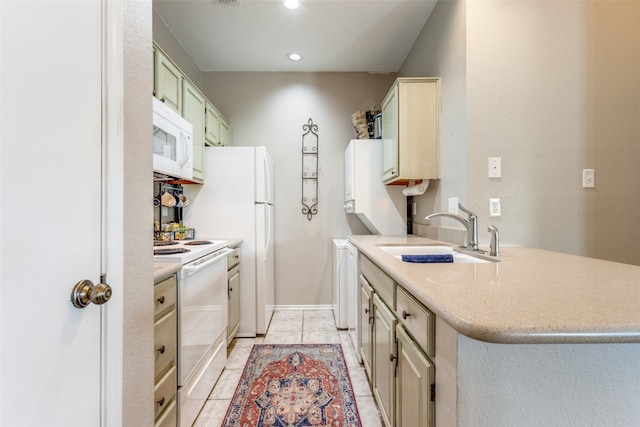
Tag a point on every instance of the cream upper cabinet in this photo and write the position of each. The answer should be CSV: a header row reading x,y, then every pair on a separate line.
x,y
167,80
174,88
225,131
212,125
410,130
193,108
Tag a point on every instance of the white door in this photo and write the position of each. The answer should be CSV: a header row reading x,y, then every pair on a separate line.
x,y
50,212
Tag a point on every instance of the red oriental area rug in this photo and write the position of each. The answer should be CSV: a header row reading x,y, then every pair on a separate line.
x,y
294,386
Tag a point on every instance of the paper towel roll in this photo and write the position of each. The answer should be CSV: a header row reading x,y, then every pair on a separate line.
x,y
416,189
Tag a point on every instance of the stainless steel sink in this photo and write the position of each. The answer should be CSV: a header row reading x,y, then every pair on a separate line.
x,y
435,249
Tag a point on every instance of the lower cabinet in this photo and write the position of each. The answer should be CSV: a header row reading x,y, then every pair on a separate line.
x,y
415,406
366,320
396,338
384,359
165,343
233,292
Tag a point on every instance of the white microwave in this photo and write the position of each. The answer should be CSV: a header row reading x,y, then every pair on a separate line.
x,y
172,142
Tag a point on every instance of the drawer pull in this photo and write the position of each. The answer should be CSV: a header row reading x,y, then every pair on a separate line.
x,y
366,310
392,358
230,289
161,350
405,314
161,299
161,401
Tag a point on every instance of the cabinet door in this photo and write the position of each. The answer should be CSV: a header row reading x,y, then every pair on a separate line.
x,y
390,160
384,359
366,322
212,125
193,107
225,131
167,81
414,377
234,303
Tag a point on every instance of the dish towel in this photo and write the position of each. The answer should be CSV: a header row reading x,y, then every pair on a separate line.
x,y
439,258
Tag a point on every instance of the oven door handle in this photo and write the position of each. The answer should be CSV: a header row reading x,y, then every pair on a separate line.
x,y
194,267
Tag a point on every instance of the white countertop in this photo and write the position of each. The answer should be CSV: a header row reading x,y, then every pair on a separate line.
x,y
164,269
530,296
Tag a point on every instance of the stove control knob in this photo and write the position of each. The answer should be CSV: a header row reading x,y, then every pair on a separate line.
x,y
84,293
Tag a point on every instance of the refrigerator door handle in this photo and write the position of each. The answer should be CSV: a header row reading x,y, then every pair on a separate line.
x,y
267,222
267,180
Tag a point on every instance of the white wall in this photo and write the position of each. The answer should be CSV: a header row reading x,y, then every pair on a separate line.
x,y
270,109
138,372
550,88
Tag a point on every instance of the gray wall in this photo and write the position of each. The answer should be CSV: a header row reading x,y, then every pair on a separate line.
x,y
551,87
270,109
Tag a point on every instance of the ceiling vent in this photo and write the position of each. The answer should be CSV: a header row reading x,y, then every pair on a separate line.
x,y
229,1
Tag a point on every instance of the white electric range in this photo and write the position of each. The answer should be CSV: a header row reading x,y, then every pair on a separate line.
x,y
202,318
185,251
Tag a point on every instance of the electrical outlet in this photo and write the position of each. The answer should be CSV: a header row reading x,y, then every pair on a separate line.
x,y
453,205
494,207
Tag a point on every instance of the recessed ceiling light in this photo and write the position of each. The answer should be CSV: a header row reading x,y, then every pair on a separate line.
x,y
291,4
294,57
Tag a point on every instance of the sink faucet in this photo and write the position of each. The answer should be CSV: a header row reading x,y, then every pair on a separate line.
x,y
471,224
494,246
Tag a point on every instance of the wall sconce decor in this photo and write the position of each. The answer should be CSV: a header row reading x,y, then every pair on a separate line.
x,y
310,143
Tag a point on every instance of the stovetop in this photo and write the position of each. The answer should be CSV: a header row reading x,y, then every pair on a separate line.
x,y
184,251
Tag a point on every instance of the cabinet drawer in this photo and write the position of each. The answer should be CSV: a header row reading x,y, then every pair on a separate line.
x,y
169,417
164,392
233,257
418,321
165,336
378,279
164,294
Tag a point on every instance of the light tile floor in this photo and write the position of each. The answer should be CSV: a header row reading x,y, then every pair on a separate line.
x,y
290,327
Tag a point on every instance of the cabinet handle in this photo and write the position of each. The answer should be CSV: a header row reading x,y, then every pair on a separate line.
x,y
392,358
161,299
405,314
230,289
366,310
161,350
161,401
162,99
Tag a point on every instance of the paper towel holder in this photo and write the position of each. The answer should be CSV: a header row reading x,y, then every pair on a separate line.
x,y
414,189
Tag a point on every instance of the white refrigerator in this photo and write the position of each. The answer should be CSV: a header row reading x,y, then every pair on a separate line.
x,y
237,201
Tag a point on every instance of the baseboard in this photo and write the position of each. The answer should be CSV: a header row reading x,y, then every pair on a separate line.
x,y
303,307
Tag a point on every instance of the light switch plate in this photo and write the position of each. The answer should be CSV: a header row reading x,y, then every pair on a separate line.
x,y
588,178
453,205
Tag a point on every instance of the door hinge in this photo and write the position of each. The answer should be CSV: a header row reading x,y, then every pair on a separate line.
x,y
103,278
433,392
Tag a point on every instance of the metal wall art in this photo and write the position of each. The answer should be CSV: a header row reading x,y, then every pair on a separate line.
x,y
310,143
